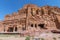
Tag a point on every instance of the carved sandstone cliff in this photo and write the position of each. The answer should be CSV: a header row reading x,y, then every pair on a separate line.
x,y
32,17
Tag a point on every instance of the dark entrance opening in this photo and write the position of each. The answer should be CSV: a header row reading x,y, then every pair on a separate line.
x,y
31,25
10,29
55,31
35,26
41,25
15,28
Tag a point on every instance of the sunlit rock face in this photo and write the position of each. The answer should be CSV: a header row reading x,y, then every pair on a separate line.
x,y
32,18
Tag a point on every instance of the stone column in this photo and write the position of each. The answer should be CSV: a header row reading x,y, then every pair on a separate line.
x,y
33,24
37,25
4,28
45,11
13,29
27,15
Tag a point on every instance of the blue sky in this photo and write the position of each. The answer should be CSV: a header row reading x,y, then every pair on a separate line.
x,y
10,6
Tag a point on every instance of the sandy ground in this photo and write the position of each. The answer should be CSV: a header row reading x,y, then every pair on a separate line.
x,y
45,36
12,38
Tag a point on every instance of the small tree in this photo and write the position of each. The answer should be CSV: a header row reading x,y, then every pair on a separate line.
x,y
27,38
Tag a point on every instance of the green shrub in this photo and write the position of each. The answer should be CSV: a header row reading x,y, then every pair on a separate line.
x,y
27,38
42,38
